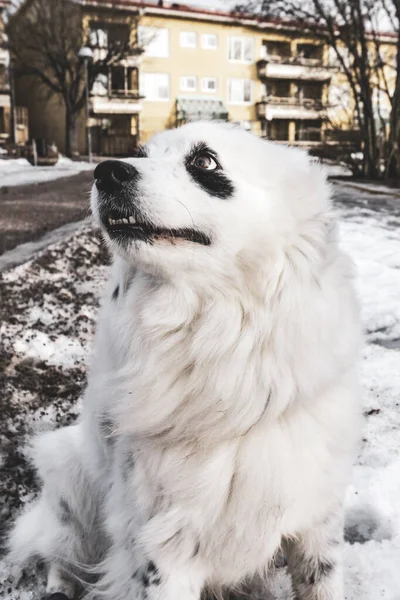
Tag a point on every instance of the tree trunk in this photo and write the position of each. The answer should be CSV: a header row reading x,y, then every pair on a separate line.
x,y
393,161
393,154
371,152
68,131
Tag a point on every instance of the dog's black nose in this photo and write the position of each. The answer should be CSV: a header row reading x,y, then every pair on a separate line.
x,y
111,175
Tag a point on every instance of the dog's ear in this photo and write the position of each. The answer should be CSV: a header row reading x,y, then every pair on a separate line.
x,y
309,205
311,192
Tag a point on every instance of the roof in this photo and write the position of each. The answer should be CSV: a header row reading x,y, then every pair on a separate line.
x,y
178,9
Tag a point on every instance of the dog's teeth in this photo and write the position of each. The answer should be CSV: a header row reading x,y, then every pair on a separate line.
x,y
123,221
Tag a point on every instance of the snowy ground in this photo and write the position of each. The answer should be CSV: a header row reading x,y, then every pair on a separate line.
x,y
19,171
48,310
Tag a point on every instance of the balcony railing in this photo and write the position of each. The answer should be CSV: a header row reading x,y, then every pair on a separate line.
x,y
311,134
308,103
293,60
128,94
311,69
275,107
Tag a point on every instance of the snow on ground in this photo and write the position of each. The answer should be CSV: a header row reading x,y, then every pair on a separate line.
x,y
49,308
334,169
19,171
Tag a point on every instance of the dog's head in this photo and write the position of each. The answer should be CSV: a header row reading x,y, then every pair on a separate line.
x,y
206,196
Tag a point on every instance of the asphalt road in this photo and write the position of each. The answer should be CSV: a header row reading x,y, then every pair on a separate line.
x,y
29,211
379,202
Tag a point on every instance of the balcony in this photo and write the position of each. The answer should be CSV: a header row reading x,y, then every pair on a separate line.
x,y
275,107
293,67
118,102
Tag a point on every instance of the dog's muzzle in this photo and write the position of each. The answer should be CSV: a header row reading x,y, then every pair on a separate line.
x,y
120,209
112,176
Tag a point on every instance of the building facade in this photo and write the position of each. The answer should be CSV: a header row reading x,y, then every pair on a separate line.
x,y
5,103
191,63
269,79
13,118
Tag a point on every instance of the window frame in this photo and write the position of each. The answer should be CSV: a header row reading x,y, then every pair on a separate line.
x,y
206,90
185,88
205,46
151,99
189,46
242,102
242,39
142,28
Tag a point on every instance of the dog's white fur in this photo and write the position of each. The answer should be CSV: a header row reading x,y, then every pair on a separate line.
x,y
226,376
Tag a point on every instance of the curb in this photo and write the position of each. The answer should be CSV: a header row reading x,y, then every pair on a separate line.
x,y
28,250
368,189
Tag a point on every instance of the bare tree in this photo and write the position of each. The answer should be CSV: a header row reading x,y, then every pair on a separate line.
x,y
350,28
390,9
45,37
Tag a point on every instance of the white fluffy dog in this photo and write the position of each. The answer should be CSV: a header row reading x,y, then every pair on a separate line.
x,y
221,414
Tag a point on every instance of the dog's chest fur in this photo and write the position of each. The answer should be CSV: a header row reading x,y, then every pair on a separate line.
x,y
206,444
188,365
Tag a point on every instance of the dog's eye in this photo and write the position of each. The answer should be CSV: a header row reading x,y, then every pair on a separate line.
x,y
205,162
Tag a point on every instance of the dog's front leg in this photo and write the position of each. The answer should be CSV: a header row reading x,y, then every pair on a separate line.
x,y
315,561
150,580
156,583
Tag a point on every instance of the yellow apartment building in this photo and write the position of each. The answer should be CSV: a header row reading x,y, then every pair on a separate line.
x,y
197,63
208,64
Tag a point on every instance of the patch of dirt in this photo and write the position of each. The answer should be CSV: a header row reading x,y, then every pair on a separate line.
x,y
39,393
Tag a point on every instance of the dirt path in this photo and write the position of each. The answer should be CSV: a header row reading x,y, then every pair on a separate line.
x,y
29,211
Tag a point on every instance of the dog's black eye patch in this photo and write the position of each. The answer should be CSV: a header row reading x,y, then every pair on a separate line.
x,y
140,152
214,181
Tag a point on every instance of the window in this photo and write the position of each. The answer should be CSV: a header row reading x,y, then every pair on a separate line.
x,y
275,50
241,49
116,80
239,91
155,41
209,41
98,37
188,39
103,36
188,83
98,40
311,51
209,85
21,113
155,86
